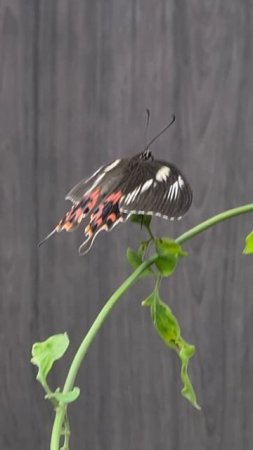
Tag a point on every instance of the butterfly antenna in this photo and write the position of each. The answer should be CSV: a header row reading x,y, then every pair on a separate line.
x,y
147,127
161,132
47,237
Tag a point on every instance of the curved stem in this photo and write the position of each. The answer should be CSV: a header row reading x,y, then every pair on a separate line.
x,y
61,409
213,221
82,350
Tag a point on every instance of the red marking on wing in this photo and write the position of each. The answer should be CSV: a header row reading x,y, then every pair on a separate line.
x,y
98,213
74,217
107,213
92,199
112,217
106,216
114,197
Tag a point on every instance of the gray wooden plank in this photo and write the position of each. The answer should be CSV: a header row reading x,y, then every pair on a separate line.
x,y
19,318
75,80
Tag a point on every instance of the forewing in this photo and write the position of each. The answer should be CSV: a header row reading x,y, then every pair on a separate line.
x,y
104,177
156,188
76,194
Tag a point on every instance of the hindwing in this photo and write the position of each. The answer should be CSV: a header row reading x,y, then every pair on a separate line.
x,y
98,195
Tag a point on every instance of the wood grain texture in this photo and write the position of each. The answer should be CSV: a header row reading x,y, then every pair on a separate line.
x,y
75,79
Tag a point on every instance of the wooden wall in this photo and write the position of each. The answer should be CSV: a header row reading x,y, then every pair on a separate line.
x,y
75,80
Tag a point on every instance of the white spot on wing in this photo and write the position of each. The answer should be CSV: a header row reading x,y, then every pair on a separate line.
x,y
163,173
136,191
132,195
180,181
169,191
97,181
71,195
173,190
150,213
127,199
94,174
112,165
176,188
146,185
130,198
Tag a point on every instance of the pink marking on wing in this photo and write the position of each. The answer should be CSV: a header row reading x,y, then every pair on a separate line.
x,y
114,197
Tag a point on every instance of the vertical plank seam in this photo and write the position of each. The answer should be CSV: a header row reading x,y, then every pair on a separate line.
x,y
35,75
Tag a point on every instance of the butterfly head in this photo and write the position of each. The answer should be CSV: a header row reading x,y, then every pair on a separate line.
x,y
146,155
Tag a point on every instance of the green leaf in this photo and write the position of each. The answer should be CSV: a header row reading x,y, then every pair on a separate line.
x,y
248,249
169,251
166,264
165,322
135,260
62,397
165,246
141,219
45,353
168,329
186,352
149,300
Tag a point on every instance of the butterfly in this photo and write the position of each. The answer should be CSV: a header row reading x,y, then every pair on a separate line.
x,y
137,185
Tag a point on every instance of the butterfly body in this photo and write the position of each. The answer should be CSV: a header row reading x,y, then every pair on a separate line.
x,y
137,185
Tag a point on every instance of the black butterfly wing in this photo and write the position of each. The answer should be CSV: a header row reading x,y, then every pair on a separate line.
x,y
88,193
156,188
104,178
93,194
136,186
106,215
121,188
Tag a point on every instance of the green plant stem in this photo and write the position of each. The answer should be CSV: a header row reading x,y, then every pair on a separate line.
x,y
214,221
82,350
